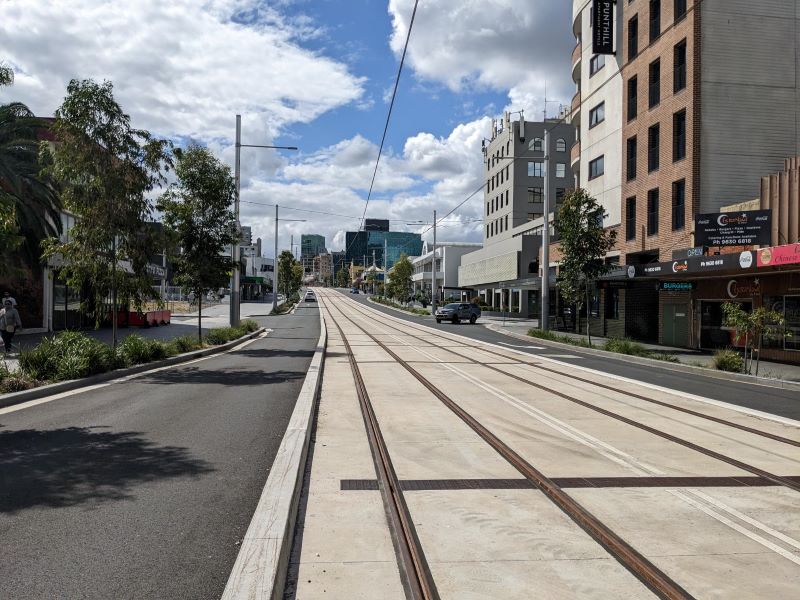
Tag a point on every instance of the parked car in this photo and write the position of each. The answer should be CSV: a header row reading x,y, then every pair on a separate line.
x,y
457,312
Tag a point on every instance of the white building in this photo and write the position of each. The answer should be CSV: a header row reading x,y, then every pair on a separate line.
x,y
448,260
596,114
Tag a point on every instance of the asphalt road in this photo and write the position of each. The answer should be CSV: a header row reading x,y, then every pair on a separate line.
x,y
785,403
144,489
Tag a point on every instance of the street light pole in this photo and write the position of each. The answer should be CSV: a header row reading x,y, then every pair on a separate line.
x,y
275,266
234,308
544,324
433,269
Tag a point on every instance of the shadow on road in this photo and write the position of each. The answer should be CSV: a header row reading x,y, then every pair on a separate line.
x,y
228,377
275,353
75,465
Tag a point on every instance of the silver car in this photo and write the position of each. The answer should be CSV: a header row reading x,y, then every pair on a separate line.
x,y
457,312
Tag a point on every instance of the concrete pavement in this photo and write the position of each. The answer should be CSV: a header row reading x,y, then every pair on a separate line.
x,y
686,501
144,488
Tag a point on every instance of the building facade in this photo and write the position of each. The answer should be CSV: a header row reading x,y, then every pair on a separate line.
x,y
366,247
311,246
448,260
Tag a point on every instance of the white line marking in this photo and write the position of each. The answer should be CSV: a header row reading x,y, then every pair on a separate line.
x,y
560,356
528,347
471,341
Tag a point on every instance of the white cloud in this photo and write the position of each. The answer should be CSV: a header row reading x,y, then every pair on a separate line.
x,y
519,46
180,68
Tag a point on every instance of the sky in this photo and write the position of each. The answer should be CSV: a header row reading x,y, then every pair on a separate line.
x,y
316,74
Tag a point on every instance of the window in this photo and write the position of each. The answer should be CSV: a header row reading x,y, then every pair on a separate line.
x,y
561,170
535,169
680,10
596,167
679,59
612,303
561,145
506,171
536,144
508,148
506,226
506,197
653,142
597,62
631,158
678,204
655,83
501,177
488,207
535,195
487,187
597,115
679,135
533,216
655,19
652,212
633,98
560,193
633,37
630,218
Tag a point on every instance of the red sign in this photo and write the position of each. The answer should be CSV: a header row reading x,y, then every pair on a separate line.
x,y
779,255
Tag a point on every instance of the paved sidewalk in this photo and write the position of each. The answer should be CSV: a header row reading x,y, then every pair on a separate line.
x,y
685,356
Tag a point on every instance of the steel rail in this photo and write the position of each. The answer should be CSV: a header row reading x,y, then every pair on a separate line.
x,y
777,479
732,424
417,579
636,563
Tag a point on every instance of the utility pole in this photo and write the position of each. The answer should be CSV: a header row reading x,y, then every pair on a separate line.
x,y
234,308
385,266
275,266
433,269
544,324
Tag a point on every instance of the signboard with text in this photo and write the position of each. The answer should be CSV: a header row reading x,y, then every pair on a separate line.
x,y
779,255
745,228
740,261
603,26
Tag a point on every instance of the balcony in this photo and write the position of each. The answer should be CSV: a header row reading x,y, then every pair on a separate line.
x,y
575,109
577,53
575,155
577,13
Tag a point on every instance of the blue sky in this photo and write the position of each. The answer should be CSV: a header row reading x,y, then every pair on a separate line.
x,y
316,74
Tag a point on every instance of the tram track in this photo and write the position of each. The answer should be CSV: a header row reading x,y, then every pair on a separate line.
x,y
725,422
636,563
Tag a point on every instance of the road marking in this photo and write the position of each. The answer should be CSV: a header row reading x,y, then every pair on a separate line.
x,y
124,378
685,395
528,347
561,356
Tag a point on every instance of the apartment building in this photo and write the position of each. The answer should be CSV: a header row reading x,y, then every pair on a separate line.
x,y
596,113
311,246
505,271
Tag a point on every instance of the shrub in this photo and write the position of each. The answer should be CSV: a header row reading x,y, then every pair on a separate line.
x,y
184,343
68,355
626,346
134,350
220,335
728,360
249,325
16,382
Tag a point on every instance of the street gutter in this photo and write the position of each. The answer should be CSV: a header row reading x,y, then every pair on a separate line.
x,y
74,384
680,367
262,564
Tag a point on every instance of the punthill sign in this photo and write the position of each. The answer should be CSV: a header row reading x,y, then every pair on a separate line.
x,y
746,228
603,26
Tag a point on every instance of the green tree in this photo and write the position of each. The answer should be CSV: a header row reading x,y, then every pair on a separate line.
x,y
200,222
290,274
584,244
754,326
29,204
399,286
342,278
105,169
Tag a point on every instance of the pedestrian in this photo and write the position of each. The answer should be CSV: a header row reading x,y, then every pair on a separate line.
x,y
7,296
9,323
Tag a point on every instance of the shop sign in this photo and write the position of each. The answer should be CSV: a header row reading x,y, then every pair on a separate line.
x,y
603,26
744,289
779,255
613,284
688,252
677,286
742,261
746,228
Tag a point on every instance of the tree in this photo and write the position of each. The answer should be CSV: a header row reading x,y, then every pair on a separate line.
x,y
342,277
200,222
755,325
584,244
399,286
29,203
290,274
105,169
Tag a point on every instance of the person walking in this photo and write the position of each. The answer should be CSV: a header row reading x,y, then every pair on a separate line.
x,y
9,323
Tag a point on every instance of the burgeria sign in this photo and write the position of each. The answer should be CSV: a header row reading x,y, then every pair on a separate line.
x,y
779,255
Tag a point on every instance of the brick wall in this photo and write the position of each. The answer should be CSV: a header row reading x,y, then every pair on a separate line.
x,y
668,172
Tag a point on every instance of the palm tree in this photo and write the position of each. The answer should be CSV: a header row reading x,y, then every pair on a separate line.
x,y
30,197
